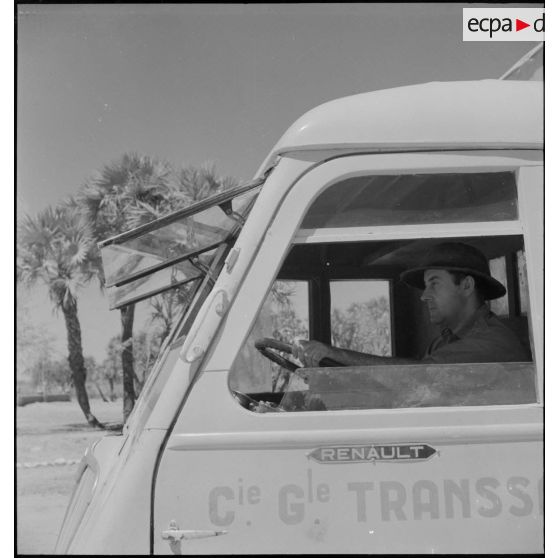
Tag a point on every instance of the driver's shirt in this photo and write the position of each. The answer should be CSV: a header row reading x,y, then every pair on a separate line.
x,y
483,338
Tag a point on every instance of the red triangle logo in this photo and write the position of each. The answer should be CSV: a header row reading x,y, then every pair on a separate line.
x,y
519,25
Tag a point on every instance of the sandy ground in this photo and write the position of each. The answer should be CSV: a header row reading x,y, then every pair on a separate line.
x,y
47,432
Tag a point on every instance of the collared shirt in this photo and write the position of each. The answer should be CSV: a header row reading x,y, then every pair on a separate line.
x,y
483,338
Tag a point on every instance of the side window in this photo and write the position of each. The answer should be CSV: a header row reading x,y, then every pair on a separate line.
x,y
511,271
361,316
500,306
415,199
284,316
349,294
522,278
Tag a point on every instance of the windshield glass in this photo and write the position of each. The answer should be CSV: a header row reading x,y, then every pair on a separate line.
x,y
173,250
172,345
187,247
157,282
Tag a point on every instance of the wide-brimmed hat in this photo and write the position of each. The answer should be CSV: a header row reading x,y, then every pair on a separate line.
x,y
456,256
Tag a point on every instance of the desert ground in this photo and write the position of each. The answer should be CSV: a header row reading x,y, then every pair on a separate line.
x,y
50,439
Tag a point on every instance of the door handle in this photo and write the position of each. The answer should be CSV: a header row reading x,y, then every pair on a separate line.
x,y
174,535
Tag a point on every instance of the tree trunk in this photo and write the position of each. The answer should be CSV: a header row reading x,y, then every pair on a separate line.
x,y
75,359
111,387
128,395
138,384
101,392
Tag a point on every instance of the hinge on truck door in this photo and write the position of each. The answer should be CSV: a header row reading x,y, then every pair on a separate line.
x,y
227,209
174,535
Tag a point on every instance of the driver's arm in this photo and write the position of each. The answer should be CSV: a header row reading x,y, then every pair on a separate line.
x,y
312,352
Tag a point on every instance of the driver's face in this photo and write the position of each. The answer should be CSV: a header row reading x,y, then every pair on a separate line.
x,y
445,300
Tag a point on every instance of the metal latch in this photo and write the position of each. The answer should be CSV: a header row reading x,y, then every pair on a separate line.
x,y
174,535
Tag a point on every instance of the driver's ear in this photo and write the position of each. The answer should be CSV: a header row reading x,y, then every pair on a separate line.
x,y
468,285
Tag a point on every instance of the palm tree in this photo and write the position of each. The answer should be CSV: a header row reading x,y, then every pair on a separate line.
x,y
193,184
55,248
182,188
128,193
111,201
112,364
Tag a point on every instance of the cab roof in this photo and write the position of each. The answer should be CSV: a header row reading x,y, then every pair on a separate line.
x,y
487,114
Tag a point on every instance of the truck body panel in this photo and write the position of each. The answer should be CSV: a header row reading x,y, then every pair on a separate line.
x,y
349,461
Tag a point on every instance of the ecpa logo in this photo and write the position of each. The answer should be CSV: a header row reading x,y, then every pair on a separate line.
x,y
503,24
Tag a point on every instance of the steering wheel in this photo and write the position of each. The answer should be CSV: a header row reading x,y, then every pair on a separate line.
x,y
267,347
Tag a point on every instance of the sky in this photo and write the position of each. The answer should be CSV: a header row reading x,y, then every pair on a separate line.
x,y
197,83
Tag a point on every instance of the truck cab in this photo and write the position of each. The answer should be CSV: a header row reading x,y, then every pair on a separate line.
x,y
234,446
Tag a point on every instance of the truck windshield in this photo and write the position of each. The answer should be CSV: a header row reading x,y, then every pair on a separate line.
x,y
185,248
173,250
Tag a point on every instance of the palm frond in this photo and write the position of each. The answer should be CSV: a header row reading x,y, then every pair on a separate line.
x,y
54,248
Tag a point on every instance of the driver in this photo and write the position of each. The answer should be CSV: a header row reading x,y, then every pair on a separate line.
x,y
456,283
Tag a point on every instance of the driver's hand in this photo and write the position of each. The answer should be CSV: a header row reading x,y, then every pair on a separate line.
x,y
310,353
264,407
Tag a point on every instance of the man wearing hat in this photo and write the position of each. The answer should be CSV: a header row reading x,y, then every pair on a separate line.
x,y
456,283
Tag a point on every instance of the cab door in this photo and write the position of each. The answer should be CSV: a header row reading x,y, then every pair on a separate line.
x,y
441,478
